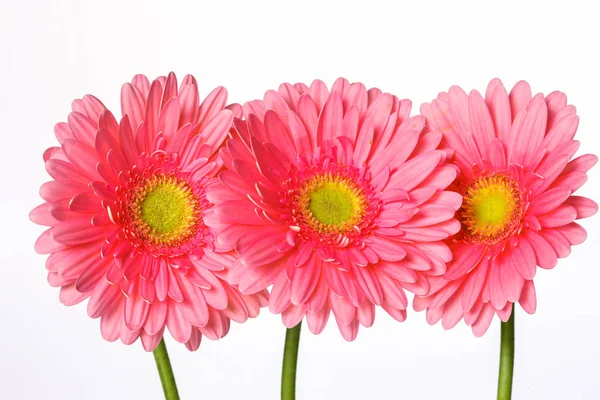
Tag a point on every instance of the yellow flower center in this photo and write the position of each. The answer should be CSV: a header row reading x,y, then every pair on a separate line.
x,y
331,203
492,208
164,210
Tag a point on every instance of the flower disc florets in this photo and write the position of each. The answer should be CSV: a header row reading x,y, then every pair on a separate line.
x,y
331,204
160,208
492,208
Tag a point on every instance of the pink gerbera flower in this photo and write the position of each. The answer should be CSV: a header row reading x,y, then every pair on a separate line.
x,y
127,210
517,182
337,200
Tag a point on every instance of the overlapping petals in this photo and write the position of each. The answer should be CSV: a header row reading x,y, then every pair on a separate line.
x,y
363,144
140,281
528,142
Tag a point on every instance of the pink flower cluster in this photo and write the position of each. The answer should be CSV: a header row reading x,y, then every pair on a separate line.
x,y
183,213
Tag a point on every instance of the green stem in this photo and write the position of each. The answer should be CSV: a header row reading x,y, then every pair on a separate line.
x,y
290,359
167,379
507,358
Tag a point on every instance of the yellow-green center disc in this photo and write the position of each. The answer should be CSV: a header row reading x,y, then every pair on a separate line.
x,y
333,203
164,210
491,208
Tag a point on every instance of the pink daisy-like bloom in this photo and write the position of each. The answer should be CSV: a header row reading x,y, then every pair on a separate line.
x,y
517,180
337,200
127,210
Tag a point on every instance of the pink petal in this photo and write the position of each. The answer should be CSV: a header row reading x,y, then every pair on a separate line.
x,y
278,135
523,259
216,296
330,120
582,163
256,279
481,325
64,171
474,285
499,107
343,311
413,172
41,215
398,315
561,132
150,342
574,233
155,320
69,296
318,320
349,331
497,155
180,329
583,206
195,306
544,253
497,296
304,282
136,311
93,274
132,104
77,231
453,312
393,293
387,249
482,126
431,214
217,327
103,299
528,297
549,200
168,122
141,83
468,258
368,282
363,143
189,103
379,112
528,139
511,281
170,90
293,315
195,339
561,215
82,127
366,314
398,272
212,104
86,203
57,190
110,324
279,299
558,241
519,97
459,108
82,156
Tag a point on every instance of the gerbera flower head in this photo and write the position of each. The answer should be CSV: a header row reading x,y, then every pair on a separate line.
x,y
336,198
127,208
517,180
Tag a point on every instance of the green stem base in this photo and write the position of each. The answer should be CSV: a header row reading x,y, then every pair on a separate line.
x,y
167,379
290,360
507,357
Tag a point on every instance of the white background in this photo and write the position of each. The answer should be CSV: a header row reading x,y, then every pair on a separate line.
x,y
54,51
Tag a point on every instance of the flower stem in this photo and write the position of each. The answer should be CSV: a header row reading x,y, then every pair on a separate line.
x,y
290,359
167,379
507,357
